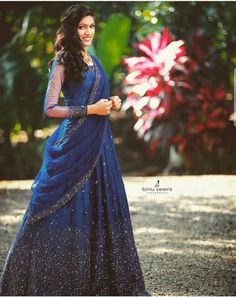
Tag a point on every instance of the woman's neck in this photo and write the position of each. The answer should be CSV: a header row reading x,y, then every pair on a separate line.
x,y
87,59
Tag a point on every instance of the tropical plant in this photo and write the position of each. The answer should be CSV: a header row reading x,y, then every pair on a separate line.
x,y
173,99
110,47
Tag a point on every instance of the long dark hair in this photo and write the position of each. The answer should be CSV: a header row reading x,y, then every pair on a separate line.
x,y
68,45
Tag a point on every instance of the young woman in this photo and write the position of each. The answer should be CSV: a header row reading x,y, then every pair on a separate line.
x,y
76,235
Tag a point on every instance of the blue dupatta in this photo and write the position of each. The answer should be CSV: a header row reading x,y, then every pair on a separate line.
x,y
69,160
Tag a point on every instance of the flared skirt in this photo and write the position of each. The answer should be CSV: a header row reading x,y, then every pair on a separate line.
x,y
84,248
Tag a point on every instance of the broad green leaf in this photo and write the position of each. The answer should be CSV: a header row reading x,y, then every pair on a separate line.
x,y
112,41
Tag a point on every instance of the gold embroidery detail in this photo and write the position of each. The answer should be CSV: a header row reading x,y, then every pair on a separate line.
x,y
67,196
80,121
77,186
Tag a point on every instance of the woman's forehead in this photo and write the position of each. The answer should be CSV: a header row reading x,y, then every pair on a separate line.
x,y
87,20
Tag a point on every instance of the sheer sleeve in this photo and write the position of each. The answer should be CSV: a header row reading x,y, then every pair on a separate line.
x,y
51,108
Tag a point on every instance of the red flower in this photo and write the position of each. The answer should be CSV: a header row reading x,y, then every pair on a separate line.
x,y
159,53
172,99
150,78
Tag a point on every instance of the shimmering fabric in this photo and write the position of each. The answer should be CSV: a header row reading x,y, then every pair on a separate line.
x,y
51,107
73,150
76,236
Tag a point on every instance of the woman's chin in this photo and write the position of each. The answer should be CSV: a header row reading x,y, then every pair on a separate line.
x,y
86,44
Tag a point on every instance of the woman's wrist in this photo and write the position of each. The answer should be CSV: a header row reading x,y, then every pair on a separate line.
x,y
91,109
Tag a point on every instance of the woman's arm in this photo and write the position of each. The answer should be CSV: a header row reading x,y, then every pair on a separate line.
x,y
51,108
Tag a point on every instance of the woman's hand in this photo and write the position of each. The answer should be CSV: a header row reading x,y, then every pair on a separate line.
x,y
102,107
116,102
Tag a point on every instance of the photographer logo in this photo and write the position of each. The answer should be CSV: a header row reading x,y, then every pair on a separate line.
x,y
157,189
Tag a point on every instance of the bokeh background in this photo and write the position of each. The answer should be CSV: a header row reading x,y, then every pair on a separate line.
x,y
172,63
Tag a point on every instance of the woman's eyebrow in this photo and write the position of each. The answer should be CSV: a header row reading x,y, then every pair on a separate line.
x,y
86,24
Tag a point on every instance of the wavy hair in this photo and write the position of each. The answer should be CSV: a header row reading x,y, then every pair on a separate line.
x,y
68,45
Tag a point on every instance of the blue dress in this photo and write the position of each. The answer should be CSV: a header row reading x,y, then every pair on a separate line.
x,y
76,235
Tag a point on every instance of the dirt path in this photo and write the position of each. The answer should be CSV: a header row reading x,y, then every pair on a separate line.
x,y
185,230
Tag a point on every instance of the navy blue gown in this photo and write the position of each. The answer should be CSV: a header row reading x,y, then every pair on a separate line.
x,y
76,235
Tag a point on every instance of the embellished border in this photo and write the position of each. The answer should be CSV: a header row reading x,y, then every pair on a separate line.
x,y
67,197
90,101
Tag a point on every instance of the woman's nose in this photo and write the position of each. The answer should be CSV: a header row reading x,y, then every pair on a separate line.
x,y
88,31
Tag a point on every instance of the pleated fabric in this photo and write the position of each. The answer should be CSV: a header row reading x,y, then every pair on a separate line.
x,y
76,236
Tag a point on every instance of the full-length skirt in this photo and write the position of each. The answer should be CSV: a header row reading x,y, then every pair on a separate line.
x,y
84,248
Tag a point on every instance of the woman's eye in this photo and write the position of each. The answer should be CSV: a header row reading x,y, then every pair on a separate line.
x,y
83,27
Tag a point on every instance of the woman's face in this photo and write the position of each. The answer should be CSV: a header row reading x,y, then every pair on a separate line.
x,y
86,30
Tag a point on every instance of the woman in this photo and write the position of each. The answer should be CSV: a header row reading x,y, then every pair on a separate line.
x,y
76,236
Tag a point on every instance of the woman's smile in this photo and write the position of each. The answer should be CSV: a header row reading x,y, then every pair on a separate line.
x,y
86,30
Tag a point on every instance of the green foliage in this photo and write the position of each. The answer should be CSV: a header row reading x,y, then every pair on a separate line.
x,y
28,30
112,41
215,18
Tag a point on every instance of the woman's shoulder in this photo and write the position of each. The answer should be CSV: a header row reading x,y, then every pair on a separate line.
x,y
58,59
56,62
56,68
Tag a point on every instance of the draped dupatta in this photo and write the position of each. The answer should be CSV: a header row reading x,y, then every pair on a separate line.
x,y
70,157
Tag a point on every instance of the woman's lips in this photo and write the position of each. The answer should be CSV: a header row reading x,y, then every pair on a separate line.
x,y
87,38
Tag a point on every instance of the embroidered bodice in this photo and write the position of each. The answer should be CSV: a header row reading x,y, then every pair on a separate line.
x,y
74,98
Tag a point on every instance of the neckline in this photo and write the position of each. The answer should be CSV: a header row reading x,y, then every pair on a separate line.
x,y
93,62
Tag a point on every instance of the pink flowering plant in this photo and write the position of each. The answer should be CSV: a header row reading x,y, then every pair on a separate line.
x,y
172,99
